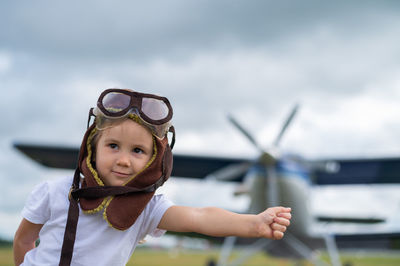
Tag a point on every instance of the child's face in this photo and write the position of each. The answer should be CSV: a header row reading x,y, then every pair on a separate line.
x,y
122,151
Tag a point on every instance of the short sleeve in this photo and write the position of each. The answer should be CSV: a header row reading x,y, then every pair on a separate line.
x,y
37,209
158,206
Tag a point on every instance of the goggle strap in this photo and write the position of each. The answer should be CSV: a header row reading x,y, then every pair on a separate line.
x,y
91,113
172,130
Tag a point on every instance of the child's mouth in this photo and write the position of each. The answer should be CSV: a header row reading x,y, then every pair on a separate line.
x,y
120,174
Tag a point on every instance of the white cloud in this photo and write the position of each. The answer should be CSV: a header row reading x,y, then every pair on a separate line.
x,y
5,62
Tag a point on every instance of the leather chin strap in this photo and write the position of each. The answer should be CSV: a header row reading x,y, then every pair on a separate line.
x,y
91,192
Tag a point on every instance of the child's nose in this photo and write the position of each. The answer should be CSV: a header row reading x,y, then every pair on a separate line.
x,y
123,160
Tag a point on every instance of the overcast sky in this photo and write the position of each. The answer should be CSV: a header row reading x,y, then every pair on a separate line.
x,y
254,59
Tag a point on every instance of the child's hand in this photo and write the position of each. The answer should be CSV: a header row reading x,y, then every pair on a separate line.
x,y
273,222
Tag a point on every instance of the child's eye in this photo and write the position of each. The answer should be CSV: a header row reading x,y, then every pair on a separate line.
x,y
113,146
137,150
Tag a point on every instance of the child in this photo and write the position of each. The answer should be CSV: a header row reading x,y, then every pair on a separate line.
x,y
124,157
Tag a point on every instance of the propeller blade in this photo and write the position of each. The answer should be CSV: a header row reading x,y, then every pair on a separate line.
x,y
230,172
285,125
245,132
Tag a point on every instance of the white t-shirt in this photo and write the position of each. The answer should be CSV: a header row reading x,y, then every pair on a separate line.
x,y
96,242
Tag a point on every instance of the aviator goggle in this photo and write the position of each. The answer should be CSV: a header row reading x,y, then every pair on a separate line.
x,y
153,110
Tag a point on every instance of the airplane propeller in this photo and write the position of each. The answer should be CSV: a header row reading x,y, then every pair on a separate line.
x,y
268,158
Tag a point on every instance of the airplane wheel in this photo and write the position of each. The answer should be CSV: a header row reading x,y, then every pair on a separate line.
x,y
211,262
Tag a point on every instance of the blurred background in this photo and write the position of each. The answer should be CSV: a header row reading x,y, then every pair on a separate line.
x,y
253,59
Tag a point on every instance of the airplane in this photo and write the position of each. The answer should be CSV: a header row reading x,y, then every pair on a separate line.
x,y
275,179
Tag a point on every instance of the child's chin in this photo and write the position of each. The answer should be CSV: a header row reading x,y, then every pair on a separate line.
x,y
115,183
118,183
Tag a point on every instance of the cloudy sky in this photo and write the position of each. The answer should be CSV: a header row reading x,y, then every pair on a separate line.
x,y
253,59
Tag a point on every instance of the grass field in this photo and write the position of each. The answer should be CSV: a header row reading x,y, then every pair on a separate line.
x,y
147,257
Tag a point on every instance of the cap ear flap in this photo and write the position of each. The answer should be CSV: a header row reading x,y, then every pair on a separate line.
x,y
83,152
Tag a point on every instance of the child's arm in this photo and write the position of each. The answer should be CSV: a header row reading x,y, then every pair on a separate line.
x,y
24,239
213,221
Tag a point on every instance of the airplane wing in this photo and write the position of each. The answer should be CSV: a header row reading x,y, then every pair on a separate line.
x,y
50,156
349,171
360,171
374,226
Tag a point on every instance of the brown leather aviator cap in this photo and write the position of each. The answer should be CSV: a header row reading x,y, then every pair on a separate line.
x,y
121,205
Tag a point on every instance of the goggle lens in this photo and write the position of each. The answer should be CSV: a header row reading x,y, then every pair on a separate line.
x,y
154,109
115,102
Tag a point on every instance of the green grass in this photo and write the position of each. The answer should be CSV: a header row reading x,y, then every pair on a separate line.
x,y
6,256
148,257
143,257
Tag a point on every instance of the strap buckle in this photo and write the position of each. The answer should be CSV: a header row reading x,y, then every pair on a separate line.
x,y
70,194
